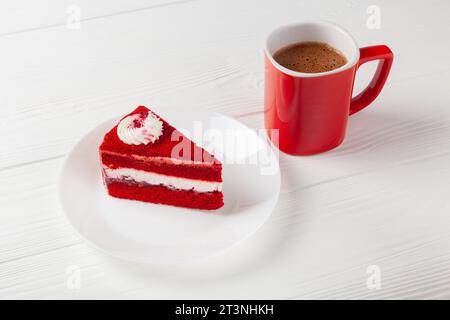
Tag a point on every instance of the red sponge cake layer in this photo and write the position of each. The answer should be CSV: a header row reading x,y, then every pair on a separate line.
x,y
163,147
162,195
200,171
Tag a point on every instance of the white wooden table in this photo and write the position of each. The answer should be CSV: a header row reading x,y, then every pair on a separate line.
x,y
370,219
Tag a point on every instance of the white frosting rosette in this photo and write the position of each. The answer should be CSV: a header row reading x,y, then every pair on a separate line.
x,y
140,128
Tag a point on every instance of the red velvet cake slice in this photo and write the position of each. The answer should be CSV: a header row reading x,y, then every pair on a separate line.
x,y
144,158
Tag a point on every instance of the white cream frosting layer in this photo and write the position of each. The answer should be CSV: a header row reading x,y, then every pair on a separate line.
x,y
161,179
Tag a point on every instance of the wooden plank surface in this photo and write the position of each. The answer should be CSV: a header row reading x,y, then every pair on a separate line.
x,y
379,199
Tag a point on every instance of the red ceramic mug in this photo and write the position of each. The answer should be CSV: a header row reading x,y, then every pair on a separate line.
x,y
309,111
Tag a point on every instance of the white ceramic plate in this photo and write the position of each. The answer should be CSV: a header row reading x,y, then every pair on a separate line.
x,y
160,234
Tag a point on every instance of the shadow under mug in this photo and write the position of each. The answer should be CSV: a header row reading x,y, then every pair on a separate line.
x,y
306,113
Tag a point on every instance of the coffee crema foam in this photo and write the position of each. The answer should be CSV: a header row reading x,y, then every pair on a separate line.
x,y
310,57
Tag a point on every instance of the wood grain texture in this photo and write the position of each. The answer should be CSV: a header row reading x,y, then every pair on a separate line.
x,y
379,199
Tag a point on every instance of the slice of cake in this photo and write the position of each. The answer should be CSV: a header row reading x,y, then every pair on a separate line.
x,y
144,158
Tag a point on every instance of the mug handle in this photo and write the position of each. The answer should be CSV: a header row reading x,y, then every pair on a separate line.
x,y
385,55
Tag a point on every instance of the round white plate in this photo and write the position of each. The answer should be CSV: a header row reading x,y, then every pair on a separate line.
x,y
159,234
